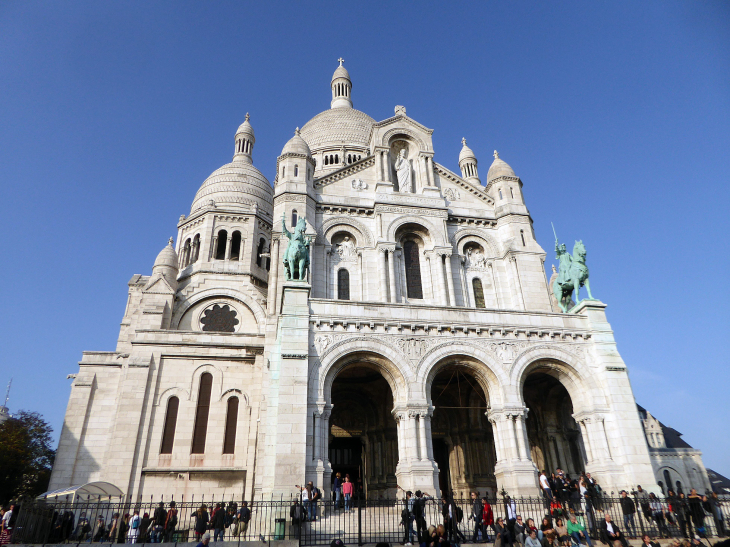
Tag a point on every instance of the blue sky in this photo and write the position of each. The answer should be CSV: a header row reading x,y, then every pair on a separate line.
x,y
616,115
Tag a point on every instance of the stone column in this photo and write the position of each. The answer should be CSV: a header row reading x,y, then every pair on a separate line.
x,y
362,276
518,283
422,435
325,434
496,435
310,273
442,280
228,249
466,298
586,440
391,274
520,433
315,437
327,253
450,280
404,288
214,250
386,166
274,275
383,275
242,249
400,428
429,171
413,435
494,285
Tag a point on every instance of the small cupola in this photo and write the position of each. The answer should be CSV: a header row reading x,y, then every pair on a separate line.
x,y
244,142
166,264
341,87
295,164
468,164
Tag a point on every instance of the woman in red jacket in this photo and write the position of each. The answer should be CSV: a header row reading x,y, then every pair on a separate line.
x,y
487,520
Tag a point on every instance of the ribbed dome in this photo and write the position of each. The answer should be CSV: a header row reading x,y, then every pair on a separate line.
x,y
246,129
337,127
341,72
499,168
296,145
167,257
238,184
466,152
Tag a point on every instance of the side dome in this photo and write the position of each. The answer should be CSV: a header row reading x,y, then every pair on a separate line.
x,y
296,145
236,185
499,168
338,127
466,152
167,257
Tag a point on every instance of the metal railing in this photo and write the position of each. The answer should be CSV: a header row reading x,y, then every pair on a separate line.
x,y
365,521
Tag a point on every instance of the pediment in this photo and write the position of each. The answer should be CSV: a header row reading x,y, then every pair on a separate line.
x,y
384,131
467,191
158,285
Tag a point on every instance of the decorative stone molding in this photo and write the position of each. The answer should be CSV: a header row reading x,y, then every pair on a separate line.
x,y
345,172
231,218
452,194
449,175
363,235
283,198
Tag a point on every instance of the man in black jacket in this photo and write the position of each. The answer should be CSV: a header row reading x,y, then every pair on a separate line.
x,y
158,523
611,534
476,515
219,522
628,507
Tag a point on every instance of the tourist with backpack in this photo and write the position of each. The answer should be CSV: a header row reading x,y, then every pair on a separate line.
x,y
170,523
297,515
158,523
134,523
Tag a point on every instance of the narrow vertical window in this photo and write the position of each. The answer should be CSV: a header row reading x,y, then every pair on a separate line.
x,y
511,192
220,252
168,433
259,251
476,283
201,413
296,171
326,160
413,270
522,235
229,439
236,245
283,171
337,158
294,218
343,284
500,194
196,247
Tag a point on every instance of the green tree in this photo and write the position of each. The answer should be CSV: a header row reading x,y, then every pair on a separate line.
x,y
26,456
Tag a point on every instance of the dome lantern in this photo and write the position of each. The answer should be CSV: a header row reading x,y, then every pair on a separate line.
x,y
244,142
341,87
468,164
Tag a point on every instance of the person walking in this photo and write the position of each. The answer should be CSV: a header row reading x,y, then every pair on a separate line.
x,y
476,515
716,506
158,523
628,508
244,517
313,496
487,519
218,521
546,491
201,521
134,523
170,522
658,513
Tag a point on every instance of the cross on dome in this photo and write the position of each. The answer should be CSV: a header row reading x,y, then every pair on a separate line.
x,y
169,241
496,155
247,117
296,131
341,60
463,141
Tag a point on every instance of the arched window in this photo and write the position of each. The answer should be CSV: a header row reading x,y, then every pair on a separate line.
x,y
186,253
359,156
337,158
168,433
229,438
294,218
661,485
283,171
349,158
196,247
296,171
500,194
259,250
667,479
220,252
476,283
326,160
522,235
343,284
413,269
511,192
236,245
201,413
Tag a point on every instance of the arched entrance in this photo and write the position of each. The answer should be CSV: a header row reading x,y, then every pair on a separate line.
x,y
554,436
363,437
463,441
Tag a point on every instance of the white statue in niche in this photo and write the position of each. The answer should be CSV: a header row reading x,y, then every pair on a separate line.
x,y
346,249
403,168
475,258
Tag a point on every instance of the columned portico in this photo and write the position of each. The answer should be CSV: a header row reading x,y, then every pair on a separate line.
x,y
515,471
416,468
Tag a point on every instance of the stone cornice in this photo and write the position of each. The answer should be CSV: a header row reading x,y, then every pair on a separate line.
x,y
345,172
456,179
503,179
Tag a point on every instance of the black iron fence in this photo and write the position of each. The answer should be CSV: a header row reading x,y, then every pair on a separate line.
x,y
361,521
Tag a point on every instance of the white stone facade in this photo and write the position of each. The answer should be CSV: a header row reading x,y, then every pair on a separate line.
x,y
443,277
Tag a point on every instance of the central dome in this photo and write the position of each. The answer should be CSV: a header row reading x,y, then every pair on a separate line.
x,y
337,127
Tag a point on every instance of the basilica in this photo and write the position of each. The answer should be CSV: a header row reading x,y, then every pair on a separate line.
x,y
421,347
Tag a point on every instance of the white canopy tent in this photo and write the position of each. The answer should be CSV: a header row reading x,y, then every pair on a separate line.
x,y
92,490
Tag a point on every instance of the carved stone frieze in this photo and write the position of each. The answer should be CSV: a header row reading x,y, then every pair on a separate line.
x,y
411,211
300,198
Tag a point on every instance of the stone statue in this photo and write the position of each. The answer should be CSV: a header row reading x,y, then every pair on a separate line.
x,y
475,258
572,274
403,168
346,249
296,256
